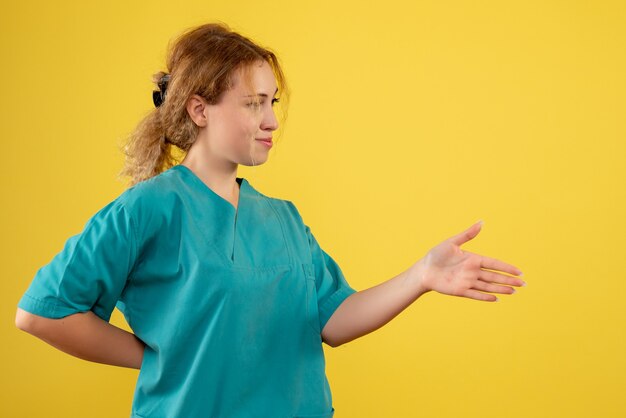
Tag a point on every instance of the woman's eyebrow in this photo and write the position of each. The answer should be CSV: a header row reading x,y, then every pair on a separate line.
x,y
260,94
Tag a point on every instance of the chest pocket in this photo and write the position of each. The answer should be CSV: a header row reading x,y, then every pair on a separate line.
x,y
312,312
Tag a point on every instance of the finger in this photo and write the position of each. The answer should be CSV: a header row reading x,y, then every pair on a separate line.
x,y
490,276
474,294
494,264
492,288
467,235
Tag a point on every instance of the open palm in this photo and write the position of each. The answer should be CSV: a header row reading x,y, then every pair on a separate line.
x,y
449,270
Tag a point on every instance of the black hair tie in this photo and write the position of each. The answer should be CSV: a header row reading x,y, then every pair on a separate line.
x,y
158,96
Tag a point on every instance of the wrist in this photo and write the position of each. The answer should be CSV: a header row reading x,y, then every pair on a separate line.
x,y
415,275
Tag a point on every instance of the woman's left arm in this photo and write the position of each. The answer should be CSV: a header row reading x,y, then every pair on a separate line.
x,y
445,269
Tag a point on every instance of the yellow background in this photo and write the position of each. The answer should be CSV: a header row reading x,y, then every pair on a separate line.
x,y
409,121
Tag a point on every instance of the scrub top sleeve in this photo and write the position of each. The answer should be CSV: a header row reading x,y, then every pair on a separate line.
x,y
91,270
332,287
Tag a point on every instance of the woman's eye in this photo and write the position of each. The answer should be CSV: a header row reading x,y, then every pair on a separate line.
x,y
257,104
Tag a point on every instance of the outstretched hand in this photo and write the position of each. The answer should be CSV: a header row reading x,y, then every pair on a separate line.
x,y
449,270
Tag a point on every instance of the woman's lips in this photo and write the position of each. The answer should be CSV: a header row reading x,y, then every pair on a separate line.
x,y
266,141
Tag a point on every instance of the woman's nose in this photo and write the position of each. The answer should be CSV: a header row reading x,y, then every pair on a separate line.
x,y
269,121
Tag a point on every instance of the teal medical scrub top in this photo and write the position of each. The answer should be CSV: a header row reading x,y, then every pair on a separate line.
x,y
229,302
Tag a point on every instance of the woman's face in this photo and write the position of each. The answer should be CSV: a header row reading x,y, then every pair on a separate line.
x,y
238,129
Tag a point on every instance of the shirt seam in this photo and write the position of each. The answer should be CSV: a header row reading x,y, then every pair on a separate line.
x,y
282,229
52,306
134,240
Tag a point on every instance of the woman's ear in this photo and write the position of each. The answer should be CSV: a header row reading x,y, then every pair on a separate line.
x,y
197,109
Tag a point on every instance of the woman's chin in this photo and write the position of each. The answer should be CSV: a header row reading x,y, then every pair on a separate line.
x,y
250,163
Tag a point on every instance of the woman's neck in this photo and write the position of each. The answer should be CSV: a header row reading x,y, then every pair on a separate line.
x,y
221,178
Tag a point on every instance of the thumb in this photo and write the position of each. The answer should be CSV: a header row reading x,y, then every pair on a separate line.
x,y
468,234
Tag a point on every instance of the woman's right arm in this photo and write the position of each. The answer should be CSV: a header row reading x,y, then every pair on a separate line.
x,y
87,336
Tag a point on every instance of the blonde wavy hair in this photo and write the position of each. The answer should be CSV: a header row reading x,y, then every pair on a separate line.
x,y
201,61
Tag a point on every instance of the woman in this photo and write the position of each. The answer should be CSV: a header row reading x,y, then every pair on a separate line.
x,y
227,291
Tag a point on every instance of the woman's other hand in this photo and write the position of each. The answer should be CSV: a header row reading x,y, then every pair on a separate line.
x,y
449,270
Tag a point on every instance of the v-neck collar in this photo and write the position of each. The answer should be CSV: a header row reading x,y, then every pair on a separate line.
x,y
248,237
219,221
243,187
